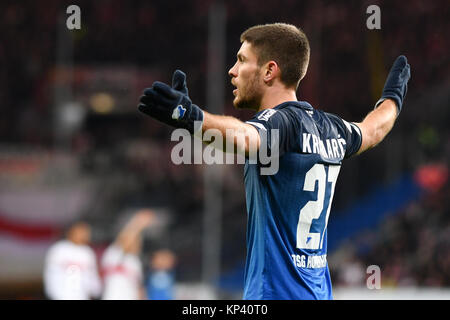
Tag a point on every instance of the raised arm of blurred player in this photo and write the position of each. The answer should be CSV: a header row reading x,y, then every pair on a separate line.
x,y
129,236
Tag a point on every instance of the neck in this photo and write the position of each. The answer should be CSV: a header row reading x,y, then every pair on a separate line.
x,y
76,241
276,95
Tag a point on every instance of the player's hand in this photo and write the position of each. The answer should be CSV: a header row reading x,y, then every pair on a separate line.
x,y
396,84
171,105
145,218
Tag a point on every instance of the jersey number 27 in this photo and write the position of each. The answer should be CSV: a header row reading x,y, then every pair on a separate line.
x,y
310,214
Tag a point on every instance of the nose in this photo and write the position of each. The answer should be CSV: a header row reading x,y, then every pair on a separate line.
x,y
233,71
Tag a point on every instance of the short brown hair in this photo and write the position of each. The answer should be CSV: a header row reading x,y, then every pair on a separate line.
x,y
284,43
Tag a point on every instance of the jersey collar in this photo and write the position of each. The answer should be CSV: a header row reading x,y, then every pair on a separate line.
x,y
300,104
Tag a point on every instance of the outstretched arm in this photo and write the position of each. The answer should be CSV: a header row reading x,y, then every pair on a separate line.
x,y
172,105
377,124
243,136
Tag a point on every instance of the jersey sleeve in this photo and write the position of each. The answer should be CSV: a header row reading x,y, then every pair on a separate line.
x,y
52,270
350,132
276,130
93,278
112,256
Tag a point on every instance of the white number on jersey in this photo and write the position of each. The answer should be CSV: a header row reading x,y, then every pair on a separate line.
x,y
313,209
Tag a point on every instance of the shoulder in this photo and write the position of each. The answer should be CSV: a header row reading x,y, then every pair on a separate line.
x,y
81,250
112,254
113,250
348,131
346,126
60,245
59,250
296,111
285,112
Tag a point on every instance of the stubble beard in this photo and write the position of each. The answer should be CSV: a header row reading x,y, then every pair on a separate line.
x,y
250,96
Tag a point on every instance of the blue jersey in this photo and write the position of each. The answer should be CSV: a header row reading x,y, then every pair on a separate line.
x,y
160,285
288,211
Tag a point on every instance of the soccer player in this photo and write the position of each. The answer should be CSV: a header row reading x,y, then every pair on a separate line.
x,y
121,264
161,279
288,210
70,270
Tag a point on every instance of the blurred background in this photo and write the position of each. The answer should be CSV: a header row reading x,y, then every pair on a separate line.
x,y
74,147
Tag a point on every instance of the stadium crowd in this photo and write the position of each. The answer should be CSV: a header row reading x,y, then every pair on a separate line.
x,y
412,247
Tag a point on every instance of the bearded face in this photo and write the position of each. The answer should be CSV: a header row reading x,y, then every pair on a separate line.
x,y
246,77
249,94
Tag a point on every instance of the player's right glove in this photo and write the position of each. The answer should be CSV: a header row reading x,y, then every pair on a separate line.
x,y
396,84
171,105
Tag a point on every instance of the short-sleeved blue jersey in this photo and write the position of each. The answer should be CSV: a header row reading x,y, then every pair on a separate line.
x,y
288,211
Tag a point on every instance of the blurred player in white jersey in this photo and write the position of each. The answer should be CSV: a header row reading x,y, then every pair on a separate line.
x,y
70,271
121,264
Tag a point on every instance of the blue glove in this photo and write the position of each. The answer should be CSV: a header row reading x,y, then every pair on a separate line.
x,y
171,105
396,84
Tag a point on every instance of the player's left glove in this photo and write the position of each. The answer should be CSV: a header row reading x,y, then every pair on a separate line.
x,y
171,105
396,84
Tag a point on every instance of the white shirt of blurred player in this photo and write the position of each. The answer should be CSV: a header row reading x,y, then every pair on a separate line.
x,y
123,274
70,272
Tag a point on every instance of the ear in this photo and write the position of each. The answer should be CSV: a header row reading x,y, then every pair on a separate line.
x,y
271,72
